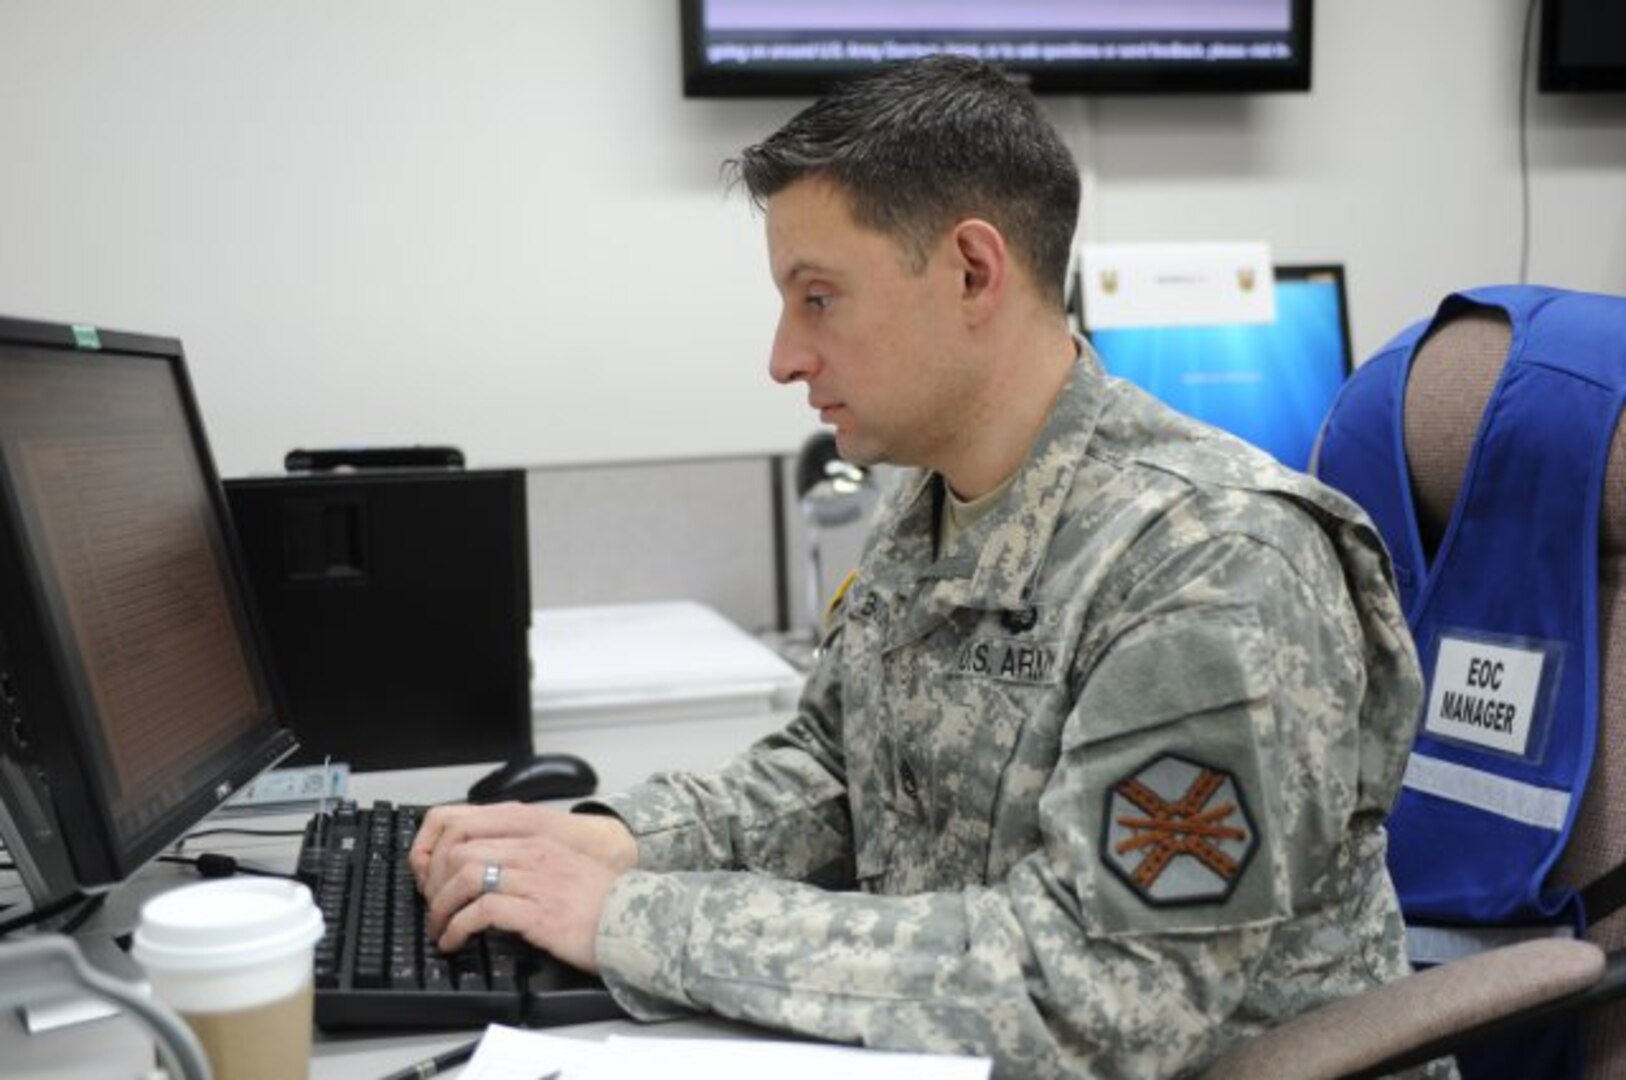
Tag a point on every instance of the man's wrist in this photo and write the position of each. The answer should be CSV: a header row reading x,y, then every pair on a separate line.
x,y
617,847
620,846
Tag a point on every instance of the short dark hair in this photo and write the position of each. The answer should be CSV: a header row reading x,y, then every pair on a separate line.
x,y
923,144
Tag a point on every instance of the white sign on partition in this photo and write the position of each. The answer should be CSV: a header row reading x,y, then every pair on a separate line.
x,y
1176,284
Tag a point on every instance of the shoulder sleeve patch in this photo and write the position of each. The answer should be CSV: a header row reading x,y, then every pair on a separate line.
x,y
1178,831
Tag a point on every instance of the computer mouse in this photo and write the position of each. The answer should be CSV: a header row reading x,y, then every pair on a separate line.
x,y
544,776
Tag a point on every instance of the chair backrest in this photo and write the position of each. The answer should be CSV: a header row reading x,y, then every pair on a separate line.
x,y
1451,378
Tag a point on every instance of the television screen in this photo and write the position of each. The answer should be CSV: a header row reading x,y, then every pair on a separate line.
x,y
1269,383
1583,45
795,47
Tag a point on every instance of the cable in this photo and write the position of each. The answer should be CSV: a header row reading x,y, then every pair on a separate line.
x,y
1524,142
41,914
180,845
212,864
229,831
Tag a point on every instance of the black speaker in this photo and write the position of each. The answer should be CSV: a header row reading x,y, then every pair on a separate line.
x,y
396,606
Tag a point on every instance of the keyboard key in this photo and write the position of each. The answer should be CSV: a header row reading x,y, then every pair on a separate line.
x,y
437,975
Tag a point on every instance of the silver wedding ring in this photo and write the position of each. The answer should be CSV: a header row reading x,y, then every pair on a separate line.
x,y
491,880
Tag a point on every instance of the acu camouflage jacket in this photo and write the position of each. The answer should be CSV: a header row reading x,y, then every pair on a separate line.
x,y
1095,792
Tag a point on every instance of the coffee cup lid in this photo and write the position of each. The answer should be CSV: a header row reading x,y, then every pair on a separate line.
x,y
229,923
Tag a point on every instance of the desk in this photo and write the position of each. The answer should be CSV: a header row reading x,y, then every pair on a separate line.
x,y
116,1048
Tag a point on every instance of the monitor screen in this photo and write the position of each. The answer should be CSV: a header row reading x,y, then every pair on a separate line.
x,y
134,696
789,47
1270,383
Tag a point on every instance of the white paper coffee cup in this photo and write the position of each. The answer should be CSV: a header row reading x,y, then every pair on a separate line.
x,y
234,958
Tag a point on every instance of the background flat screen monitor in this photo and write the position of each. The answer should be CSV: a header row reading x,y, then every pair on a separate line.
x,y
1583,45
764,48
133,699
1269,383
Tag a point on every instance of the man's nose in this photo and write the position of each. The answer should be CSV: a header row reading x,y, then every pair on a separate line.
x,y
792,360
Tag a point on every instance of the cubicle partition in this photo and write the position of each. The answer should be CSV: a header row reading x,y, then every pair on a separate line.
x,y
724,531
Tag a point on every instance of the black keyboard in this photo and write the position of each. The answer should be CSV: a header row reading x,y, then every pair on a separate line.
x,y
376,966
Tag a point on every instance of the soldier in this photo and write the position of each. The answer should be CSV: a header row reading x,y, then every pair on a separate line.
x,y
1091,773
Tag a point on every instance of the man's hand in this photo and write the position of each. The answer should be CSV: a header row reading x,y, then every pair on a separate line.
x,y
557,870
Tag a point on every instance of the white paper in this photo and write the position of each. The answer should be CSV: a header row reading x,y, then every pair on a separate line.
x,y
1135,285
647,658
507,1053
1485,694
754,1059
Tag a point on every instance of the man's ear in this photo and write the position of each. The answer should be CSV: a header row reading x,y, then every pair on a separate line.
x,y
985,266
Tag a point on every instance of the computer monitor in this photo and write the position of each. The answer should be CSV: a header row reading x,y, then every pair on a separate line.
x,y
1269,383
133,697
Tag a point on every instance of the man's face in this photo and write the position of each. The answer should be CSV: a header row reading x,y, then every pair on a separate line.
x,y
874,341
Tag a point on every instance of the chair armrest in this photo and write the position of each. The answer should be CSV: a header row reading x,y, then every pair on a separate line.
x,y
1608,987
1427,1015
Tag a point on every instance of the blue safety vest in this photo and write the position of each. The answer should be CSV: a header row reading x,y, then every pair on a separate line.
x,y
1506,615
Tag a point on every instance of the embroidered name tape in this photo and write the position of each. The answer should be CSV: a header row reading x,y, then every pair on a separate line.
x,y
1010,660
1485,694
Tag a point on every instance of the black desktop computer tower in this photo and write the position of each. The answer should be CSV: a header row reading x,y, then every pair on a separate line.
x,y
396,609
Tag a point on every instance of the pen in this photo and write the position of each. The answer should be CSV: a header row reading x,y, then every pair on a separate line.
x,y
437,1064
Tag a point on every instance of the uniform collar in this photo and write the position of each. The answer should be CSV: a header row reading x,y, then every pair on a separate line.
x,y
993,564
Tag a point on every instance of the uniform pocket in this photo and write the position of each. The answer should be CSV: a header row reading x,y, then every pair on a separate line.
x,y
1177,672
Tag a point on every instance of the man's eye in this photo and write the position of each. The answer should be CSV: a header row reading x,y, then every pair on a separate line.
x,y
818,301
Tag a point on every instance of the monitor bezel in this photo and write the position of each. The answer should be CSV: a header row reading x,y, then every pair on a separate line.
x,y
53,758
701,80
1335,271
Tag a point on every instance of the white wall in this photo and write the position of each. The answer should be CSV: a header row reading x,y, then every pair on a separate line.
x,y
1402,163
497,223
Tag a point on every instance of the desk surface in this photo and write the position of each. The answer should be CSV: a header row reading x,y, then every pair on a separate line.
x,y
117,1047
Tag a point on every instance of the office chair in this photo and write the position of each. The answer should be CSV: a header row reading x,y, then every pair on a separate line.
x,y
1452,378
1431,1014
1458,1005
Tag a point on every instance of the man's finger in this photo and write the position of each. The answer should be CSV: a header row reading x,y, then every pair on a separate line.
x,y
499,910
461,877
460,825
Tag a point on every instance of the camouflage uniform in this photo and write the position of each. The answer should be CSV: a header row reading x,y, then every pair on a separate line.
x,y
1101,786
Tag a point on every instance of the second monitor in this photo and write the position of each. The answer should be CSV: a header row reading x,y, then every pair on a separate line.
x,y
1269,383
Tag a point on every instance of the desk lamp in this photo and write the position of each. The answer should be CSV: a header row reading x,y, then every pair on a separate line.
x,y
832,493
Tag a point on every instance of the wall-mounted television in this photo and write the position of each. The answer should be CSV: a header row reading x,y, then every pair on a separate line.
x,y
783,48
1583,45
